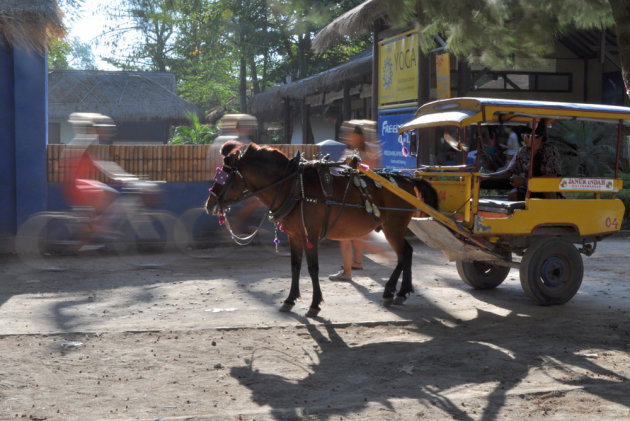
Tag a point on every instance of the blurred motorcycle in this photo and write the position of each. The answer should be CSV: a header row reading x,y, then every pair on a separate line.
x,y
128,230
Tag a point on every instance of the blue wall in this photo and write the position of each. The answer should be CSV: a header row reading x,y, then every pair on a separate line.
x,y
7,145
23,134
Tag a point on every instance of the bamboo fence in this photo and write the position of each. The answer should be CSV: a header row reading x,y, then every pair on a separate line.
x,y
175,164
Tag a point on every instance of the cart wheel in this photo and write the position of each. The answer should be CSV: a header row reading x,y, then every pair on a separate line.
x,y
481,275
551,271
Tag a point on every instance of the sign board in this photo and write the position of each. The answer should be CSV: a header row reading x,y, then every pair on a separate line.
x,y
398,70
587,184
443,75
389,140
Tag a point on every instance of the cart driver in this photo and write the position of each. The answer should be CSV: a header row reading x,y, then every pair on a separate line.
x,y
546,164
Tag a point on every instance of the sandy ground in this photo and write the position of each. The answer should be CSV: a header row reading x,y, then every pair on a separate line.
x,y
202,339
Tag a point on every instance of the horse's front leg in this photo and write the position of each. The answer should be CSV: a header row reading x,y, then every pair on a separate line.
x,y
406,286
395,235
312,260
297,250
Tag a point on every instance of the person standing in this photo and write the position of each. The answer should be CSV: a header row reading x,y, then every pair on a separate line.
x,y
354,136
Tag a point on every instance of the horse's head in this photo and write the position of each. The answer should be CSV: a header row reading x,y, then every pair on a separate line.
x,y
228,186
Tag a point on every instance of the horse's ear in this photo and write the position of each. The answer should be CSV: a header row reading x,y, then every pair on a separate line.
x,y
229,146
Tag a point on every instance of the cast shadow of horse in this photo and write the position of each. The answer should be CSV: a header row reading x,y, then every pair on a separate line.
x,y
445,356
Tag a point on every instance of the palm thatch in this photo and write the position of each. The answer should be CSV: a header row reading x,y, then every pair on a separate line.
x,y
355,22
124,96
29,23
267,105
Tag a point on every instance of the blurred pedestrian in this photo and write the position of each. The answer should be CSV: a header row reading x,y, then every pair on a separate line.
x,y
353,134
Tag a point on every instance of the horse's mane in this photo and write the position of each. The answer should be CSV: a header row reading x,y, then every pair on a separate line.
x,y
230,146
264,155
263,152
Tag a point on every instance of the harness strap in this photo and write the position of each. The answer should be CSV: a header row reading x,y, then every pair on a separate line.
x,y
286,207
325,228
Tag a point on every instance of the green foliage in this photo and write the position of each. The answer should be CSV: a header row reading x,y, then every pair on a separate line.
x,y
221,49
81,56
195,134
587,149
58,51
495,32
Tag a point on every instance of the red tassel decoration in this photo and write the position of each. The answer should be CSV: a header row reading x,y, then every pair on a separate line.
x,y
309,245
221,218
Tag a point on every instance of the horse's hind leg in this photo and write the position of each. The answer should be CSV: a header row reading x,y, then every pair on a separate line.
x,y
406,287
296,266
390,286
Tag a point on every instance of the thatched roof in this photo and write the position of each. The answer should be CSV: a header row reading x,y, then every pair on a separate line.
x,y
28,23
268,104
124,96
355,22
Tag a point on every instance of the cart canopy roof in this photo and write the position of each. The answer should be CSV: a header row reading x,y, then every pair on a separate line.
x,y
461,112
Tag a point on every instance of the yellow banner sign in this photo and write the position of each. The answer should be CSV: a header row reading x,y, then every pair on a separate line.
x,y
398,70
443,75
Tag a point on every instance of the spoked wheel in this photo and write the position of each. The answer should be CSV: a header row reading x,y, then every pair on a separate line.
x,y
199,235
551,271
147,239
482,275
46,241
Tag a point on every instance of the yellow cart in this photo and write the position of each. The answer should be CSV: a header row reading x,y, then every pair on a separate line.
x,y
482,234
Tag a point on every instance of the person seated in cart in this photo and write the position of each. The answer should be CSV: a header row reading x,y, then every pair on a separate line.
x,y
546,164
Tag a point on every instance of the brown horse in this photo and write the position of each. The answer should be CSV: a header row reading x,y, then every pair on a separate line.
x,y
309,209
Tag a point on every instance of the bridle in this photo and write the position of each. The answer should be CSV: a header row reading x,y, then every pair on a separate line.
x,y
226,175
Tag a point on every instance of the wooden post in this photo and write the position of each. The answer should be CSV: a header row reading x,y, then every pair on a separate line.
x,y
346,107
306,120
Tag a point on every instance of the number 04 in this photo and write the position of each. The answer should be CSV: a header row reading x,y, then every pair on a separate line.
x,y
612,223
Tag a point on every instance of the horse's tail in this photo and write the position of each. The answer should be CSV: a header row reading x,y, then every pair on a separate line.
x,y
426,190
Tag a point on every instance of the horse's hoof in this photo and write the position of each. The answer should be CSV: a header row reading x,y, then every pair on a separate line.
x,y
400,300
312,312
388,301
286,308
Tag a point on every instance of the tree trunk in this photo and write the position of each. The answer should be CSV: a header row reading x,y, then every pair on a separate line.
x,y
242,89
621,15
254,73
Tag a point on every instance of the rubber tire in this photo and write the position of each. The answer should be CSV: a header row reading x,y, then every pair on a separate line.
x,y
152,251
551,271
481,275
33,241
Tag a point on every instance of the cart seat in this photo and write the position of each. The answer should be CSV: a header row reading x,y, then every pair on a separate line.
x,y
500,206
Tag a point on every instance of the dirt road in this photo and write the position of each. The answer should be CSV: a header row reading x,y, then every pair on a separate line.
x,y
203,340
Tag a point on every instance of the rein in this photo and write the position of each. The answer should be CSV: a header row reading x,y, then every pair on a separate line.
x,y
243,241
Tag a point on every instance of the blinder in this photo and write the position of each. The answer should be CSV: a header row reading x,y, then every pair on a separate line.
x,y
225,177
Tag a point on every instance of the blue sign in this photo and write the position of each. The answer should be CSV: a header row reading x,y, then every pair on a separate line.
x,y
391,143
